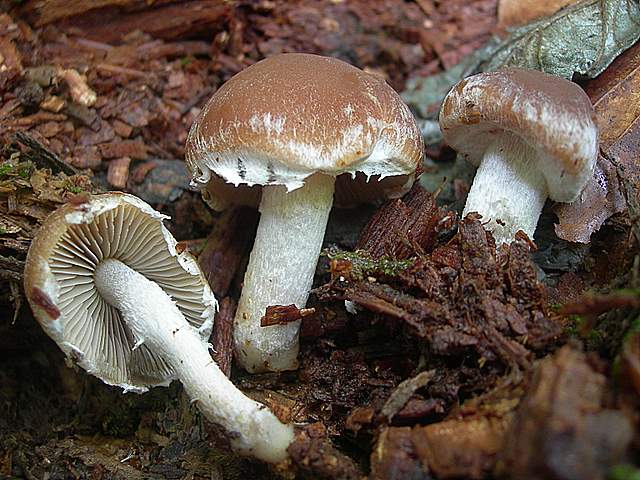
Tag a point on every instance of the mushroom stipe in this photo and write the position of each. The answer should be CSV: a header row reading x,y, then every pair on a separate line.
x,y
288,133
532,135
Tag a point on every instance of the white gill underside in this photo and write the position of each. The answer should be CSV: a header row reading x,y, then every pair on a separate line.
x,y
244,167
96,328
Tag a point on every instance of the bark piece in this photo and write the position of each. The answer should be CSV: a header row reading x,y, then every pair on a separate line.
x,y
134,149
110,20
283,314
226,246
403,392
78,88
222,340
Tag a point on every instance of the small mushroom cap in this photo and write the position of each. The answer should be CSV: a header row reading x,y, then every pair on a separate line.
x,y
59,285
552,115
292,115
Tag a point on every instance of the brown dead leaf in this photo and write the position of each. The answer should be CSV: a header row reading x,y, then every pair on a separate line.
x,y
616,96
512,13
616,99
600,199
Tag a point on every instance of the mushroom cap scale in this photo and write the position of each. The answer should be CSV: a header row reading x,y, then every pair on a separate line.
x,y
292,115
550,114
61,291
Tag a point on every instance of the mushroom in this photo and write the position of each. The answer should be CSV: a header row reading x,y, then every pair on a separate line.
x,y
108,284
284,133
533,136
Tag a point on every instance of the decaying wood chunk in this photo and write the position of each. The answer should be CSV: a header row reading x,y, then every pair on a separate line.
x,y
394,457
562,430
313,454
461,448
111,20
402,227
475,301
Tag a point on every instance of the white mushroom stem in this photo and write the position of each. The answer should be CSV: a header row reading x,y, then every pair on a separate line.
x,y
155,320
508,190
280,271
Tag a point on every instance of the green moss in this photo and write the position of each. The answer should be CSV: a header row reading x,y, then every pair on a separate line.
x,y
363,265
12,168
625,471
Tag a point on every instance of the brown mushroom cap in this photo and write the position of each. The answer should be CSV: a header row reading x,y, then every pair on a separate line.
x,y
292,115
552,115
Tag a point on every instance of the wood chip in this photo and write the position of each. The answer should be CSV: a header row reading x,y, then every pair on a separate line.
x,y
78,89
283,314
118,172
53,103
125,148
122,129
86,157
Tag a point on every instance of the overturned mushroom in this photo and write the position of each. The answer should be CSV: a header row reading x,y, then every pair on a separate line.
x,y
106,283
533,136
284,133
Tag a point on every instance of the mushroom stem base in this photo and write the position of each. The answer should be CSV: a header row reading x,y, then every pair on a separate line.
x,y
155,320
280,271
508,190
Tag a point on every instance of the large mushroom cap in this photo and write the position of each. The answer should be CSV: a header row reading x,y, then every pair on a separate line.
x,y
552,115
292,115
60,287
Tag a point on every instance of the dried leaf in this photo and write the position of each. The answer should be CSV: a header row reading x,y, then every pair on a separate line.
x,y
616,97
512,13
582,39
601,198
